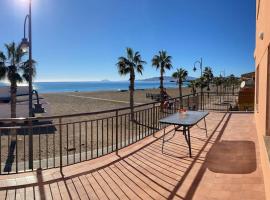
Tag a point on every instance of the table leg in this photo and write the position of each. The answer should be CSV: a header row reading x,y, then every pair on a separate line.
x,y
205,127
186,133
189,143
163,139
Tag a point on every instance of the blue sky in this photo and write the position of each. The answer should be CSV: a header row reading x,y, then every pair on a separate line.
x,y
81,40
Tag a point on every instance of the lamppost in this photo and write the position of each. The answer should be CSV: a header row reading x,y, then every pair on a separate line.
x,y
200,62
26,44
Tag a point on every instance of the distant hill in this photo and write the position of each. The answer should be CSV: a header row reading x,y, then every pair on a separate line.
x,y
167,78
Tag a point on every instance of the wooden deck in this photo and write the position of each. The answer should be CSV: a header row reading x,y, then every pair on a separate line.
x,y
226,165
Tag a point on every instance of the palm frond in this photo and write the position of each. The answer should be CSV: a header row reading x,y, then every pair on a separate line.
x,y
2,57
168,66
19,54
180,74
130,63
139,68
123,68
175,75
156,61
129,53
26,70
11,50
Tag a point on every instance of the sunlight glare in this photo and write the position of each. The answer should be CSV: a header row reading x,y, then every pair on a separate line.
x,y
25,1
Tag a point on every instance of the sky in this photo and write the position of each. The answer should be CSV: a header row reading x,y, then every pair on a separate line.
x,y
80,40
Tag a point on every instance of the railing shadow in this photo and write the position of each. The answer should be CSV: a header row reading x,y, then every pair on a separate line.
x,y
10,156
38,127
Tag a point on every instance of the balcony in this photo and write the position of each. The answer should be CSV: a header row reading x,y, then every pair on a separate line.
x,y
121,164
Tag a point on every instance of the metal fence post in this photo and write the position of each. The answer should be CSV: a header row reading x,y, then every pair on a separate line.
x,y
16,150
154,115
201,100
0,150
60,141
30,148
116,114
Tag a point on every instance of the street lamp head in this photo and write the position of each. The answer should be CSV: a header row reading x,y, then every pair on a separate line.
x,y
24,45
194,69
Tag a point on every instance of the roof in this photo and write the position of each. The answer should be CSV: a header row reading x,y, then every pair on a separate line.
x,y
248,75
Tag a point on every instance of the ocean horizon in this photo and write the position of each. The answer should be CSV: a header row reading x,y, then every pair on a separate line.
x,y
93,86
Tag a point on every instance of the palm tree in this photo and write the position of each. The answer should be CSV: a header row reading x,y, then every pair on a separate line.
x,y
193,85
181,75
162,61
15,70
201,82
208,76
218,82
129,65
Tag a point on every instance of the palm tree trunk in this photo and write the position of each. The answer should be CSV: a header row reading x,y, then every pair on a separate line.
x,y
131,95
13,101
181,95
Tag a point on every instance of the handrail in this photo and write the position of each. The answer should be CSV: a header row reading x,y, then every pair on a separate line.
x,y
57,142
100,112
83,114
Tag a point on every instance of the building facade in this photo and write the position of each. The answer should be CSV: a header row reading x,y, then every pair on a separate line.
x,y
262,91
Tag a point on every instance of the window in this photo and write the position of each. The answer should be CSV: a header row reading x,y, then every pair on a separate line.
x,y
257,87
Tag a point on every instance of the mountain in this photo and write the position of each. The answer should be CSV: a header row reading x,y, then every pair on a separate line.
x,y
105,80
167,78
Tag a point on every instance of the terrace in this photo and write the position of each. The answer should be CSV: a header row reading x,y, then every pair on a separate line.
x,y
124,160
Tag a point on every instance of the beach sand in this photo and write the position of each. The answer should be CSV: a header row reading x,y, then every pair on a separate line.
x,y
82,102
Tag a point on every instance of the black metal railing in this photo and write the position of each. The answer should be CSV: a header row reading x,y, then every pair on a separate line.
x,y
57,141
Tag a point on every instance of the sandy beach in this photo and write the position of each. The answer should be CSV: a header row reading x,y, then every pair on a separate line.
x,y
81,102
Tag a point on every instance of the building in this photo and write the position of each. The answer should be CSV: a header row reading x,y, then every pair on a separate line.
x,y
262,91
247,92
248,76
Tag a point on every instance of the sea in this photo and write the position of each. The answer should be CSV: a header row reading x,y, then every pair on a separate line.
x,y
55,87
